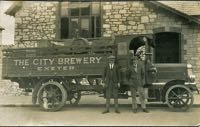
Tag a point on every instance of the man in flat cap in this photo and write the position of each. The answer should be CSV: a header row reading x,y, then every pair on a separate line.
x,y
136,77
111,78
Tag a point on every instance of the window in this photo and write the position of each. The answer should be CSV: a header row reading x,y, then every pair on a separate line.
x,y
167,48
81,19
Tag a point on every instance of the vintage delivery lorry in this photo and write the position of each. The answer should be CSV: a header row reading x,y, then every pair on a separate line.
x,y
54,72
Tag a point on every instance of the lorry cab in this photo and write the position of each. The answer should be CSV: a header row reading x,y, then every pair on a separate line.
x,y
172,83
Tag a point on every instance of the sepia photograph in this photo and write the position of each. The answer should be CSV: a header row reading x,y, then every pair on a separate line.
x,y
100,63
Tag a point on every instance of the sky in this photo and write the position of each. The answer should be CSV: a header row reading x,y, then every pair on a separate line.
x,y
7,22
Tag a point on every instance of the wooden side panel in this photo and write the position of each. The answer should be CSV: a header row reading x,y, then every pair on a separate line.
x,y
62,65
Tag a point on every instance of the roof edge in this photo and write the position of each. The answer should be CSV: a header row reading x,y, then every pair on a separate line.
x,y
14,8
184,15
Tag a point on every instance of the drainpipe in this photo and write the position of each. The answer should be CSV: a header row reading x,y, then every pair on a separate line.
x,y
1,29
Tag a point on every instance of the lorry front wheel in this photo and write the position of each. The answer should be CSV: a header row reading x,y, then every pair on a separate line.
x,y
52,96
179,98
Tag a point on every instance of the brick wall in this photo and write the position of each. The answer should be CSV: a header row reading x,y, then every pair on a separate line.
x,y
142,18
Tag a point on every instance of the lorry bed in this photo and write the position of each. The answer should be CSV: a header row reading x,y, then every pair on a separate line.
x,y
76,60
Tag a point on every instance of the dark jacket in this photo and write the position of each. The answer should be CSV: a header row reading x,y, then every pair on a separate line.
x,y
136,78
111,75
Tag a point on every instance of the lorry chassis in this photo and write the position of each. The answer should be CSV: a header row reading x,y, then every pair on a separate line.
x,y
53,93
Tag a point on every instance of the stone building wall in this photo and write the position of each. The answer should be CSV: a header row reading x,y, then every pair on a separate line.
x,y
123,18
35,21
127,18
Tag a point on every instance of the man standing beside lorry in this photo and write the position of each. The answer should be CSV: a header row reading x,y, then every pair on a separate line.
x,y
111,78
136,77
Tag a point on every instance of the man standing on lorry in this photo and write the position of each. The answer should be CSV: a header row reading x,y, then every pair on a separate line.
x,y
111,80
136,77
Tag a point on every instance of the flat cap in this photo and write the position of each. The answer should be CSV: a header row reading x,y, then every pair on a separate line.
x,y
111,57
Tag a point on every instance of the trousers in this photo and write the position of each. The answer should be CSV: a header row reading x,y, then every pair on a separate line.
x,y
111,91
140,90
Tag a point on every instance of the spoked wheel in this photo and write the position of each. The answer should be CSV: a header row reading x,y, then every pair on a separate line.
x,y
75,97
179,98
52,96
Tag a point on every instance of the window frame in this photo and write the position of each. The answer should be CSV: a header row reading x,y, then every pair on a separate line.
x,y
93,30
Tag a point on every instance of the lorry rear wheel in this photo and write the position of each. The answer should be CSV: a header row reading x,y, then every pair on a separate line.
x,y
179,98
52,96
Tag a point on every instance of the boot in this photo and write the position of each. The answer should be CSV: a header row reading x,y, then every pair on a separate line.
x,y
135,110
145,110
106,111
117,111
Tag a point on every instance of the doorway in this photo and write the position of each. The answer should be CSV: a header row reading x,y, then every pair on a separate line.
x,y
167,48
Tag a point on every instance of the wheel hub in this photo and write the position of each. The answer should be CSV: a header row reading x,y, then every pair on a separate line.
x,y
179,97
